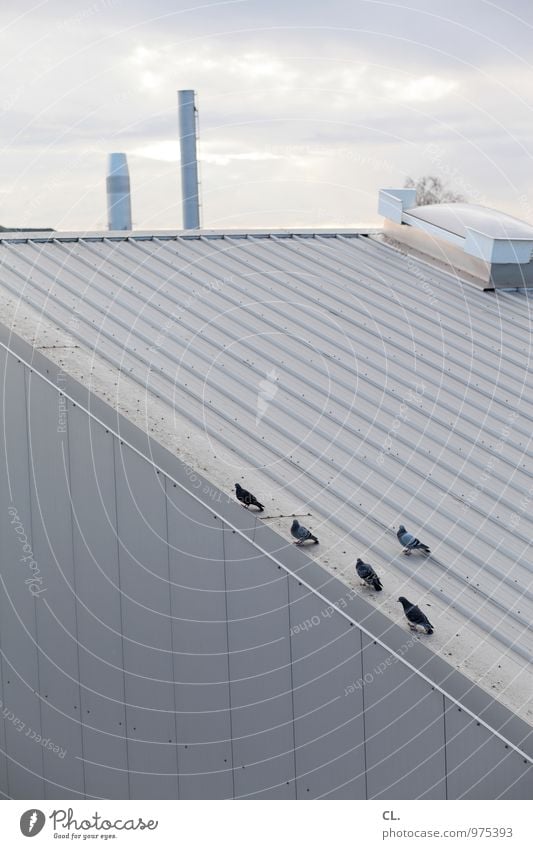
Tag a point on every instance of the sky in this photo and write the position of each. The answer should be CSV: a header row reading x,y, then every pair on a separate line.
x,y
306,109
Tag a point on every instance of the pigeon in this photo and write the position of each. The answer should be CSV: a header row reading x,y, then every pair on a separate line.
x,y
415,616
409,542
301,534
367,574
246,498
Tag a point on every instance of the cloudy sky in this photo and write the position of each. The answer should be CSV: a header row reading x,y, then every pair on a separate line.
x,y
306,108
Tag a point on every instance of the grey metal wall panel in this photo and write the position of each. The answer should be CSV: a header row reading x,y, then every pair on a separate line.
x,y
198,605
18,632
479,765
56,609
404,725
149,677
92,482
328,708
3,758
260,672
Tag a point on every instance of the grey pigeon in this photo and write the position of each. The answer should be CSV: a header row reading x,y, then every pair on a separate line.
x,y
367,574
246,498
409,542
301,534
415,616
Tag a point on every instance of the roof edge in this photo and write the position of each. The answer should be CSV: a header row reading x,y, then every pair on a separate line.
x,y
123,235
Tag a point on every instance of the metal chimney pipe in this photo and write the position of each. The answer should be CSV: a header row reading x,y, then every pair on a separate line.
x,y
118,192
189,164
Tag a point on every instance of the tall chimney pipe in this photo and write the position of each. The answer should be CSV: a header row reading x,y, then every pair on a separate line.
x,y
118,192
189,164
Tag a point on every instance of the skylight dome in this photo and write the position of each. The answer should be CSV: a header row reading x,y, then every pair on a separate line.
x,y
458,217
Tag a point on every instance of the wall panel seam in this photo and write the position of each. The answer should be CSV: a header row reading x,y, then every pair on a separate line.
x,y
223,532
74,585
172,641
126,737
26,378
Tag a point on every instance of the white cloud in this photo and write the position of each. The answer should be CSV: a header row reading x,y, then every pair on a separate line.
x,y
299,105
167,150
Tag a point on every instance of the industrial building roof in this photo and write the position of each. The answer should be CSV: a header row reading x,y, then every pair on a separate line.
x,y
333,375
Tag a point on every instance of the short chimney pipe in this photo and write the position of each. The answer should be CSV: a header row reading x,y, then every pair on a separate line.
x,y
118,192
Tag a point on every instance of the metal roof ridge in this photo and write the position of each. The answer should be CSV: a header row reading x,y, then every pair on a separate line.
x,y
124,235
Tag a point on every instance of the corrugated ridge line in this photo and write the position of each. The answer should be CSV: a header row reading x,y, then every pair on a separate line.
x,y
370,346
379,267
480,304
362,295
364,263
398,379
469,292
278,562
517,300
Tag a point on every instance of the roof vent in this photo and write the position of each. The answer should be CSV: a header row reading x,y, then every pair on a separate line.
x,y
118,192
492,246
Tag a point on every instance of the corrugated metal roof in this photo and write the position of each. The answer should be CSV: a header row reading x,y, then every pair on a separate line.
x,y
362,382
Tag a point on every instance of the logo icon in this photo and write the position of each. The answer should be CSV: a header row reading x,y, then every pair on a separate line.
x,y
32,822
267,392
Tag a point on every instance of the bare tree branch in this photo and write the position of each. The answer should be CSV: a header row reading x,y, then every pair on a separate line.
x,y
430,189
